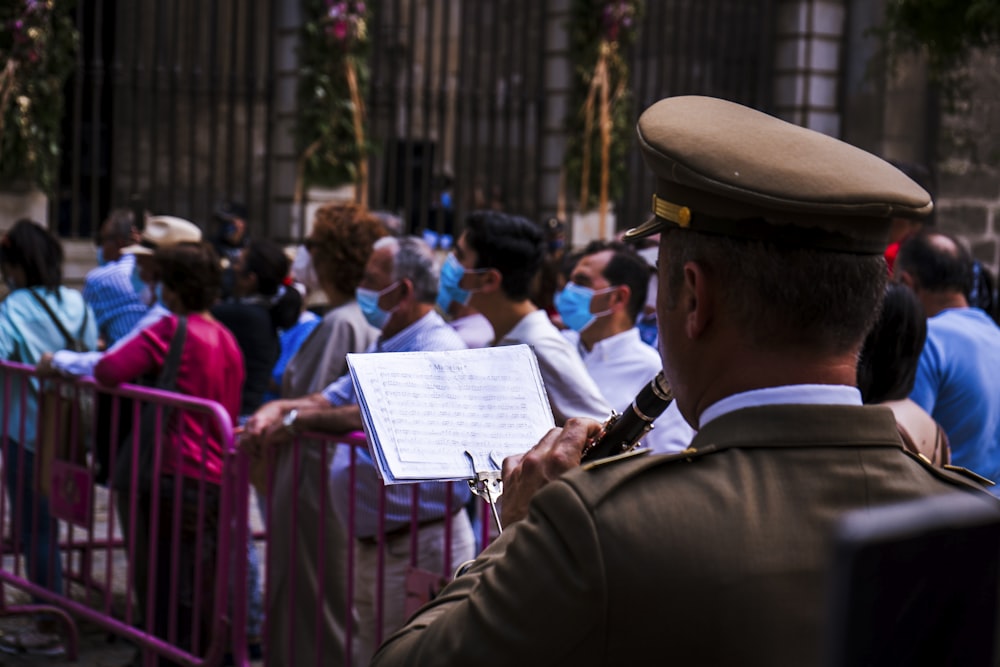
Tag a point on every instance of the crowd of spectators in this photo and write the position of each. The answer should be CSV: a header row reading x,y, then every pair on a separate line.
x,y
266,330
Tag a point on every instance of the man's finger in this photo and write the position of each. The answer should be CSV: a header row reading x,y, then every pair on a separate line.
x,y
510,463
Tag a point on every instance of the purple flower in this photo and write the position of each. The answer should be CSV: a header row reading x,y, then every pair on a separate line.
x,y
339,29
359,7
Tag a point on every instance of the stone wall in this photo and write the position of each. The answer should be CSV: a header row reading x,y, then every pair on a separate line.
x,y
968,201
894,112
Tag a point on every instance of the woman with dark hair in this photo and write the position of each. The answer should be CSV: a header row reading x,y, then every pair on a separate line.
x,y
261,305
210,367
39,315
887,369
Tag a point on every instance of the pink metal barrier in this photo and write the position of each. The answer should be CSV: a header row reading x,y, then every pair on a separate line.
x,y
348,558
149,545
161,559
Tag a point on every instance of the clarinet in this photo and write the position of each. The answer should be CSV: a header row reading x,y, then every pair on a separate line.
x,y
621,433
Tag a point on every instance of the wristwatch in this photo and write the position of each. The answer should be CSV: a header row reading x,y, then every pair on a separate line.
x,y
289,420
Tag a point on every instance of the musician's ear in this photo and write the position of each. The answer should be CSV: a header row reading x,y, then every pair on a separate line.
x,y
697,299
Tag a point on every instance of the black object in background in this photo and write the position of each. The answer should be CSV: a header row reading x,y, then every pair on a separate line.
x,y
916,584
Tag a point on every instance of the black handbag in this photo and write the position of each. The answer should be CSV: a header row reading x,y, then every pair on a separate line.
x,y
121,477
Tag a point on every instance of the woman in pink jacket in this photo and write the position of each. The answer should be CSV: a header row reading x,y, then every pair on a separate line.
x,y
191,452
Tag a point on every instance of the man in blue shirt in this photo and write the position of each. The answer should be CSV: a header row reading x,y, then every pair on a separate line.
x,y
397,295
958,376
108,289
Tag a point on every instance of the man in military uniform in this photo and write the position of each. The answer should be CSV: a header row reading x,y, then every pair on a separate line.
x,y
770,273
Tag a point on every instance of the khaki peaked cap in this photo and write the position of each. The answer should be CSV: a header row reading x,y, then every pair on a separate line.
x,y
723,168
163,231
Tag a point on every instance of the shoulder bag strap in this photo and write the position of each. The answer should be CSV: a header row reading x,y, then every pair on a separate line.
x,y
71,343
121,477
83,326
168,376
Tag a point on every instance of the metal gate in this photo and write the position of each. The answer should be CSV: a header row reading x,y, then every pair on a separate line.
x,y
175,104
721,48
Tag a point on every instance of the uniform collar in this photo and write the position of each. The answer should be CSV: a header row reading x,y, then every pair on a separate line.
x,y
799,425
798,394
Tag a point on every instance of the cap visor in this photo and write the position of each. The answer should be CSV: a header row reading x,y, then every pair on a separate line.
x,y
136,250
648,228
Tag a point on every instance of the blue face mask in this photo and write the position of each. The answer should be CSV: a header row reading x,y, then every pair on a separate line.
x,y
452,273
158,291
100,256
573,304
368,302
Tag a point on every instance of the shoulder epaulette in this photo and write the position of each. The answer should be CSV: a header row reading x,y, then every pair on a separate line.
x,y
952,473
609,460
684,455
970,474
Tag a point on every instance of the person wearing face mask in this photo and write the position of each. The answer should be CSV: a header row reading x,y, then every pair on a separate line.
x,y
108,289
646,322
495,262
607,289
332,262
397,295
471,325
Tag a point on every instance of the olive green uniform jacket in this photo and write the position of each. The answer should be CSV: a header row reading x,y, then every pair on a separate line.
x,y
715,556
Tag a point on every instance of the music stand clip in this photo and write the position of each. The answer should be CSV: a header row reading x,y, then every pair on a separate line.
x,y
488,485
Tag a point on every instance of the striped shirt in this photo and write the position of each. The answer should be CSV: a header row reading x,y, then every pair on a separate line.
x,y
429,333
109,292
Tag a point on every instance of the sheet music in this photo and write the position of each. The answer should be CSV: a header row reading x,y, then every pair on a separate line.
x,y
423,410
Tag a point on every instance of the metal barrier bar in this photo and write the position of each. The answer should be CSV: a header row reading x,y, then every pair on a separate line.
x,y
352,568
193,602
199,501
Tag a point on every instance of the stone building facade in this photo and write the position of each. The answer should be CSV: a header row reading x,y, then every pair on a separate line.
x,y
475,92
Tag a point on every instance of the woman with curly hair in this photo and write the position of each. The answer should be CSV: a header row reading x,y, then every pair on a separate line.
x,y
339,246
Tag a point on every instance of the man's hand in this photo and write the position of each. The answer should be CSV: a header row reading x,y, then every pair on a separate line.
x,y
558,451
257,445
266,416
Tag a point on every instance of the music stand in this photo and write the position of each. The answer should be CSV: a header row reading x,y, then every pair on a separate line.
x,y
916,584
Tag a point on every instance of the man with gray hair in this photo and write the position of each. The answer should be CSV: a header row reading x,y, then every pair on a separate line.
x,y
397,295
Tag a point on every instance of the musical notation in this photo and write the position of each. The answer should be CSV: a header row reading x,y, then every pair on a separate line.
x,y
423,410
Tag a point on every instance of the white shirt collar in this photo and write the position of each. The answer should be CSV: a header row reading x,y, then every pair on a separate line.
x,y
607,348
798,394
